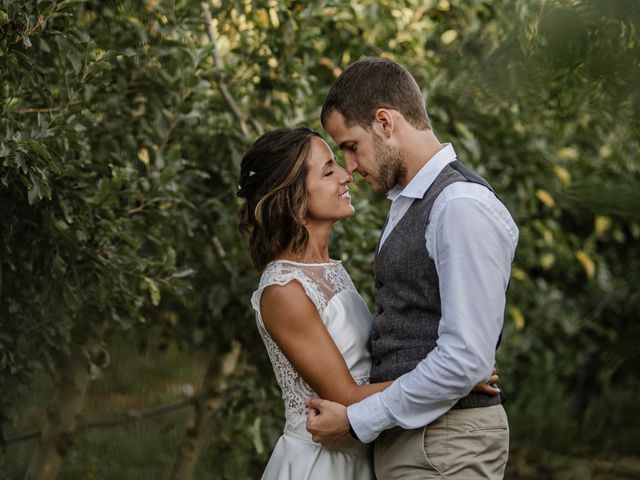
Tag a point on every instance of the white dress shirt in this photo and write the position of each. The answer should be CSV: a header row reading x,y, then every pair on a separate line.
x,y
472,238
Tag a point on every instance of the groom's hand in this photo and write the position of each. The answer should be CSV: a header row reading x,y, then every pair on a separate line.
x,y
490,387
328,423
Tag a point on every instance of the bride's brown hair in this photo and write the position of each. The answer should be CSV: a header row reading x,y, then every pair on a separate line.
x,y
272,180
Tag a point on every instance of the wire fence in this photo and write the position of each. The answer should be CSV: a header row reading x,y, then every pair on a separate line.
x,y
123,419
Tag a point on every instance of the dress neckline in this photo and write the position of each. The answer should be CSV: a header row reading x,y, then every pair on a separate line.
x,y
319,264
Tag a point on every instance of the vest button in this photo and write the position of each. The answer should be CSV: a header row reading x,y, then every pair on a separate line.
x,y
378,284
376,336
380,309
377,362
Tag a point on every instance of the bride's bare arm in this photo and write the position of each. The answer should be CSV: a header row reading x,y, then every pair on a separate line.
x,y
294,324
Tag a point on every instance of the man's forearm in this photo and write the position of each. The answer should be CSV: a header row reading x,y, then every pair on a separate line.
x,y
421,396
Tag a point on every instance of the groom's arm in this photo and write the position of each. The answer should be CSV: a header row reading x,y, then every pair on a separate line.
x,y
472,249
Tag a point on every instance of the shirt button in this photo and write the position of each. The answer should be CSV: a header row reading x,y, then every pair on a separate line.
x,y
377,362
376,336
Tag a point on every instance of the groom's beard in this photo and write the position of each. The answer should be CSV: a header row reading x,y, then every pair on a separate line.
x,y
391,171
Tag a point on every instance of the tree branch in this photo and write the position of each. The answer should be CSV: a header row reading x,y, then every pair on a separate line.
x,y
38,110
222,86
71,103
217,59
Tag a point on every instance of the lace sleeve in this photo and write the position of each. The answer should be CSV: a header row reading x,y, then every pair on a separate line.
x,y
295,389
281,274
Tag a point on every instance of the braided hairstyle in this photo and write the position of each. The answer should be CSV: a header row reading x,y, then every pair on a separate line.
x,y
272,180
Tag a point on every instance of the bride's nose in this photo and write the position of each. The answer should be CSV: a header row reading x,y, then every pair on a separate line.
x,y
346,177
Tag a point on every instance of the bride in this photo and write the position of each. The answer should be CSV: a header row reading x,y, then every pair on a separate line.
x,y
314,324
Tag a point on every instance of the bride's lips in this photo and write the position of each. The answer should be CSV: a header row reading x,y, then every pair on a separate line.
x,y
344,195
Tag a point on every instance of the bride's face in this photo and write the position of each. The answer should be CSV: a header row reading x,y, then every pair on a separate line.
x,y
327,184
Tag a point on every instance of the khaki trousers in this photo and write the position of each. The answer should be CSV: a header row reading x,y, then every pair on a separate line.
x,y
469,444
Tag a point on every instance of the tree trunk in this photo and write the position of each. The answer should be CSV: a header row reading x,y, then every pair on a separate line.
x,y
206,405
55,440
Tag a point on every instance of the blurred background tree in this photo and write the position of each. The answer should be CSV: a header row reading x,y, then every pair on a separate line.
x,y
122,127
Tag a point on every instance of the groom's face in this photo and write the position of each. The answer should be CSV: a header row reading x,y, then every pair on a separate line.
x,y
357,145
366,153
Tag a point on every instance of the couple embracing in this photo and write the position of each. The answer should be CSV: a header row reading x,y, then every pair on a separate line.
x,y
410,392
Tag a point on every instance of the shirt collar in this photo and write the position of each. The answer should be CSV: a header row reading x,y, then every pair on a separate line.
x,y
421,182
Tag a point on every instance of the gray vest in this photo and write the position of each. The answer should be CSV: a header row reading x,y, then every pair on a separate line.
x,y
405,327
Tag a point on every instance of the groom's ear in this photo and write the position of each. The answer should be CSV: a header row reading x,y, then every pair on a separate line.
x,y
385,121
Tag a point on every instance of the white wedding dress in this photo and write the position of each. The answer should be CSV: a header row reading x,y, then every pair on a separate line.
x,y
345,314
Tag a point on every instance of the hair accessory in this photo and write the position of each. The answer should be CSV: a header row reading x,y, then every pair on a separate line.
x,y
239,187
252,173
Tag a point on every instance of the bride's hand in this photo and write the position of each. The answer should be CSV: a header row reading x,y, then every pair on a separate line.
x,y
490,386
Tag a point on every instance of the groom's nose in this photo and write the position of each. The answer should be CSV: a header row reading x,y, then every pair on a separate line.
x,y
351,165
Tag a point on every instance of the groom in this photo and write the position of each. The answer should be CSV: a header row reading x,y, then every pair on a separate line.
x,y
441,273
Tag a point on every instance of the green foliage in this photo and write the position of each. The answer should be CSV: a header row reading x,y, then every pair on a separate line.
x,y
119,157
86,232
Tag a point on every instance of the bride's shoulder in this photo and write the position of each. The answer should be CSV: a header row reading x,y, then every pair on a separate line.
x,y
280,280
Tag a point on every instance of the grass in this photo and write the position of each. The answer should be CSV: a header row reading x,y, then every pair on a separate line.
x,y
547,441
544,441
141,450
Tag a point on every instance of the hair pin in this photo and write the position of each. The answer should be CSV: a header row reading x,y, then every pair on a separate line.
x,y
251,173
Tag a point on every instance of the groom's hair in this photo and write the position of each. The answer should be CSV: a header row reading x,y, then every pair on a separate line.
x,y
272,180
372,83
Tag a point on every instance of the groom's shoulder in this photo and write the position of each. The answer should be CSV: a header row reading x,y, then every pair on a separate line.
x,y
464,190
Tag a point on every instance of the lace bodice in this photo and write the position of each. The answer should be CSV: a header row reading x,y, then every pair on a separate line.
x,y
341,309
